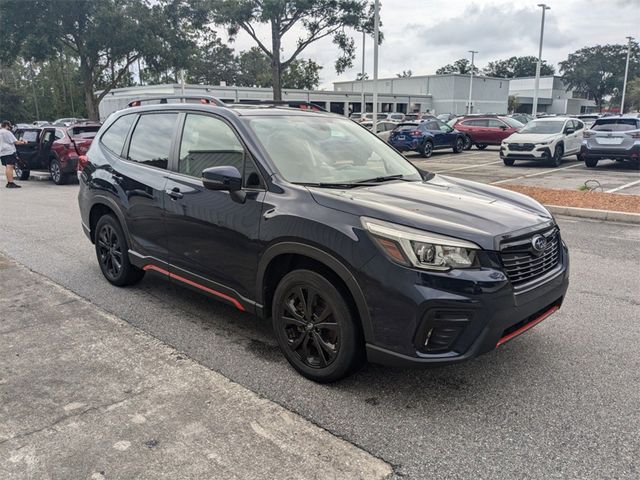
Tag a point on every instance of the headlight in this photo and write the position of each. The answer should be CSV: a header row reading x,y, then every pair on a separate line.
x,y
543,143
412,247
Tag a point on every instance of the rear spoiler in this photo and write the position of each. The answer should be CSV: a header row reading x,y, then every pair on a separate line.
x,y
204,99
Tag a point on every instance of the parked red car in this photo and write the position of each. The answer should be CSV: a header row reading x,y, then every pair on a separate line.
x,y
483,131
55,149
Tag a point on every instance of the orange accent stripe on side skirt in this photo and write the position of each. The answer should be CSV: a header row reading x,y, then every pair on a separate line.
x,y
526,327
235,302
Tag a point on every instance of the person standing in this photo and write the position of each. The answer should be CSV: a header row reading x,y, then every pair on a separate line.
x,y
8,155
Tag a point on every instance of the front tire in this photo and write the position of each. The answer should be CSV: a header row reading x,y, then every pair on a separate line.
x,y
112,252
556,159
427,149
20,173
315,328
509,162
467,143
459,145
481,146
57,175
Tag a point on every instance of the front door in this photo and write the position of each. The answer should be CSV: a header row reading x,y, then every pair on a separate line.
x,y
213,236
28,153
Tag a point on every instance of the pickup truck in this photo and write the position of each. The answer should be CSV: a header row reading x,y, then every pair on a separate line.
x,y
54,149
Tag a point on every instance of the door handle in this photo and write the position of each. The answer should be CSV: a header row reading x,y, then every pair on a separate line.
x,y
174,193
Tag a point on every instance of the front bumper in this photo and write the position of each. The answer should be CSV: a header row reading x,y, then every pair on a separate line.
x,y
474,311
539,152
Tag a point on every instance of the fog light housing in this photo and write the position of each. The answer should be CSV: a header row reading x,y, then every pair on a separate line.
x,y
440,329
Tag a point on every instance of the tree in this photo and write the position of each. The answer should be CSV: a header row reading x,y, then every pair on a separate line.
x,y
632,97
359,76
598,71
461,66
254,69
216,63
302,74
106,37
512,103
404,74
517,67
316,19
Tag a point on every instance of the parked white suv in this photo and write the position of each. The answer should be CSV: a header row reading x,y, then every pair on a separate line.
x,y
547,139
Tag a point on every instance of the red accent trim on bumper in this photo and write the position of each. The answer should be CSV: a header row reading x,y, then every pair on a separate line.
x,y
526,327
235,302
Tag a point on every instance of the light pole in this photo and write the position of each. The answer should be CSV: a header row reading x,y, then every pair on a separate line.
x,y
363,107
626,74
376,29
536,86
473,57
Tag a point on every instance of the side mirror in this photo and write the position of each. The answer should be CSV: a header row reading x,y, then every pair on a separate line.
x,y
503,127
226,178
569,131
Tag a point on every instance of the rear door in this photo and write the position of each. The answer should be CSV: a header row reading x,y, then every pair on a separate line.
x,y
213,236
139,175
432,127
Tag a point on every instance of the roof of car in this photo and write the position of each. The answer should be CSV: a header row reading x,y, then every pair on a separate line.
x,y
552,119
240,110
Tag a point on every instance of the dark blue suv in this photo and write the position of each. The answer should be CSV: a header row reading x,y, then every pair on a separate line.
x,y
310,220
426,136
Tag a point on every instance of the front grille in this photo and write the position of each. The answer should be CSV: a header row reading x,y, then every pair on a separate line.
x,y
524,264
521,147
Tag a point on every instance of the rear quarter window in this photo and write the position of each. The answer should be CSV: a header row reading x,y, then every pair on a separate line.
x,y
116,134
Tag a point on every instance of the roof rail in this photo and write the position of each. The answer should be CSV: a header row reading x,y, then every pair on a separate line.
x,y
204,99
284,103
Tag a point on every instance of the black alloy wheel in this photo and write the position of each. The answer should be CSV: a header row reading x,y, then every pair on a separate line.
x,y
112,252
20,173
427,149
556,160
315,328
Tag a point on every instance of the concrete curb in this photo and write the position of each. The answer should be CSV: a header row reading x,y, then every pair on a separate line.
x,y
606,215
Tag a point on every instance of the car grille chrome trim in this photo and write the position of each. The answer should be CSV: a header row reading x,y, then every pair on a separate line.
x,y
523,264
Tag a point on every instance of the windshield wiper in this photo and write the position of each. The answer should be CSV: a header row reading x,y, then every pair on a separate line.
x,y
384,179
329,185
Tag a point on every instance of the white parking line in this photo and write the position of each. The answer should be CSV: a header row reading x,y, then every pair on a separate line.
x,y
467,167
537,173
626,185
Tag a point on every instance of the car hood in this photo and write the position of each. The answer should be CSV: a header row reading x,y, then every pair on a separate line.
x,y
459,208
531,137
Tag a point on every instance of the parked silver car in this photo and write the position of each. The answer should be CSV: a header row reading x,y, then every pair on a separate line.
x,y
384,128
617,138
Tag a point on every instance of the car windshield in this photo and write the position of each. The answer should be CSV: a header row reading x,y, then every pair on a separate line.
x,y
543,126
313,150
512,122
617,125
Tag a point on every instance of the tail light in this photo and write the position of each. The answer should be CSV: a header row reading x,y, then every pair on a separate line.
x,y
588,134
416,133
83,161
635,134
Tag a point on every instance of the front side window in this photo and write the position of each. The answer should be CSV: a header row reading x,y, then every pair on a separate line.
x,y
512,122
151,139
208,142
116,135
321,150
492,123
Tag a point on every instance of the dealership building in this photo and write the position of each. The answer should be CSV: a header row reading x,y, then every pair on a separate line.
x,y
554,96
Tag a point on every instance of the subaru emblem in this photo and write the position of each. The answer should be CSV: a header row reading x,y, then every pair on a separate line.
x,y
538,242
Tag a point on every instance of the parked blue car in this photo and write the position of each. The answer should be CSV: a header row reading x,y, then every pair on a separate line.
x,y
425,137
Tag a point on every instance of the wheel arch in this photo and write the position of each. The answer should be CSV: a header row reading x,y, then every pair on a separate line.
x,y
282,258
103,206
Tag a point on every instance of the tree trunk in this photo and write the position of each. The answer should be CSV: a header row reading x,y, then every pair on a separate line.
x,y
276,67
87,84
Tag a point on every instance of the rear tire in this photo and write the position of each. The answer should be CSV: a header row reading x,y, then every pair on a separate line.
x,y
591,162
57,175
467,143
20,173
509,162
112,252
315,328
481,146
427,149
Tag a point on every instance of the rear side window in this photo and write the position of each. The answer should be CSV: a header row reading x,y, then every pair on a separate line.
x,y
476,123
116,135
151,139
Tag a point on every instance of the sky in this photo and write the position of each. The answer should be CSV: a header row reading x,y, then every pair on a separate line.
x,y
423,35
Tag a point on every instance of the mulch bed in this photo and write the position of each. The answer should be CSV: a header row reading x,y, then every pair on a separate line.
x,y
581,199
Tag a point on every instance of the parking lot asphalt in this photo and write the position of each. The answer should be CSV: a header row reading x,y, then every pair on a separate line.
x,y
485,166
560,401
